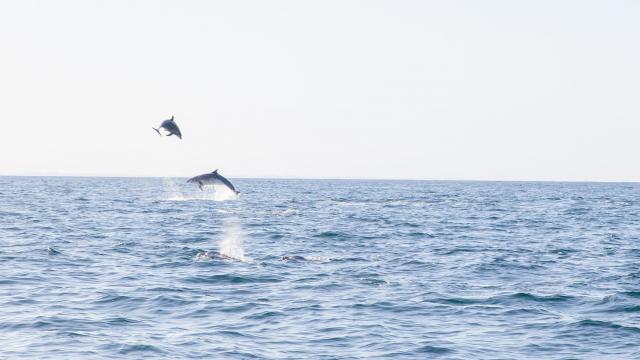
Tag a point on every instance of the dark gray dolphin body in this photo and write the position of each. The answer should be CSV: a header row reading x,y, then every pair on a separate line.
x,y
293,258
212,178
213,256
171,127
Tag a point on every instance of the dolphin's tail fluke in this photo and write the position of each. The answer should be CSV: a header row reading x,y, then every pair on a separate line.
x,y
157,130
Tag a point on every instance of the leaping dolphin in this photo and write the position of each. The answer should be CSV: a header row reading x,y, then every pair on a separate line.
x,y
171,127
212,178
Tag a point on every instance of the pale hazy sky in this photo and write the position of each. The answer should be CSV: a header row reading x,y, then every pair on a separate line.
x,y
510,90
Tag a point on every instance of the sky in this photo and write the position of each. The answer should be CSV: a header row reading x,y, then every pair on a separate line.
x,y
458,90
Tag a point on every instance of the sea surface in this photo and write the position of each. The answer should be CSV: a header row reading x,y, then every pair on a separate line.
x,y
112,268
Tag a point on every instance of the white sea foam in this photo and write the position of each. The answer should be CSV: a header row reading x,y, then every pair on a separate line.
x,y
317,258
224,211
287,212
283,213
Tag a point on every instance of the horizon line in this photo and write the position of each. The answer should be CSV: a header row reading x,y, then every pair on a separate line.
x,y
319,178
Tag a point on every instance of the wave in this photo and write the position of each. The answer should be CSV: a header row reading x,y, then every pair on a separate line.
x,y
505,299
231,279
53,251
540,298
127,349
429,349
621,302
606,325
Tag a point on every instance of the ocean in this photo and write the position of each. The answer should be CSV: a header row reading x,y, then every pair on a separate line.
x,y
112,268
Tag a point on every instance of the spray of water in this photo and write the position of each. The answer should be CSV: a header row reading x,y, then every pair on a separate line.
x,y
232,242
218,193
173,192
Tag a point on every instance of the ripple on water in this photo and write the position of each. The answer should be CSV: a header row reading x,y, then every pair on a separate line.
x,y
232,279
107,268
434,350
128,349
606,325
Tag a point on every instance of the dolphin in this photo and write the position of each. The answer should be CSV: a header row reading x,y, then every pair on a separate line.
x,y
212,178
211,255
170,126
293,258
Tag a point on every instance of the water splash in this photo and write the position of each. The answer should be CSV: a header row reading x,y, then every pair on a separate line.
x,y
173,192
232,242
218,193
231,245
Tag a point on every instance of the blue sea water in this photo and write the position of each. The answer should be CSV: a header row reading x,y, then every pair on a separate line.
x,y
153,268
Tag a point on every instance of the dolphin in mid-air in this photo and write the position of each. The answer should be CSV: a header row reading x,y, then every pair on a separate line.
x,y
212,178
170,126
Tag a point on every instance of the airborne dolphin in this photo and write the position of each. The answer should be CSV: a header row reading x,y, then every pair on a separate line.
x,y
171,127
212,178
